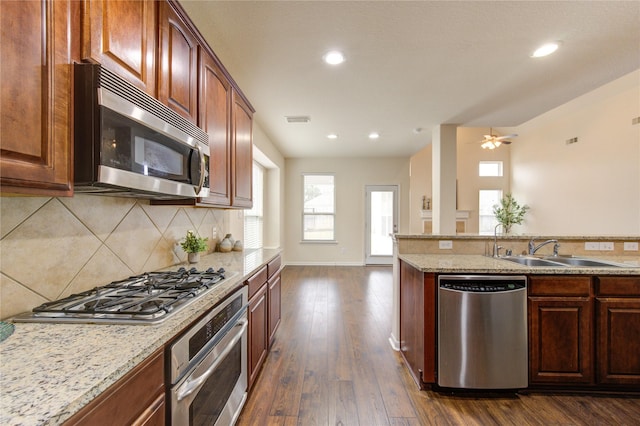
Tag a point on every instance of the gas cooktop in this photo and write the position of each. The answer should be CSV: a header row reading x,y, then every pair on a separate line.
x,y
148,298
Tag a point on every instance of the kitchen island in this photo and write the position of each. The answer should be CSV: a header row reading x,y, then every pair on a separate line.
x,y
583,322
50,371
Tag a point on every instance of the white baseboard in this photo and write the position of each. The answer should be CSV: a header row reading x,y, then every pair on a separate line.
x,y
395,343
294,263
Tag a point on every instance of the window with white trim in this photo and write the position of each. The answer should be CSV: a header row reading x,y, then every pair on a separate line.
x,y
318,215
253,219
490,168
487,220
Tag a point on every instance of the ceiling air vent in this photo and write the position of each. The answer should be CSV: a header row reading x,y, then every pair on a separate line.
x,y
635,121
570,141
298,118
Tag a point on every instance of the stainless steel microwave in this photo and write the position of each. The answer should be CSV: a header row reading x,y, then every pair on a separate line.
x,y
129,144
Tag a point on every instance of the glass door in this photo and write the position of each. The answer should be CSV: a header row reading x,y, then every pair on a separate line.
x,y
380,222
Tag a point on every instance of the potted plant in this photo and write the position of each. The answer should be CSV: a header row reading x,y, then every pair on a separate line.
x,y
193,245
509,212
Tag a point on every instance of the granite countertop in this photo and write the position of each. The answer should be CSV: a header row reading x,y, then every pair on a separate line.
x,y
50,371
471,263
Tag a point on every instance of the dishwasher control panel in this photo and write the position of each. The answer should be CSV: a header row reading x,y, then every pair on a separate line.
x,y
482,284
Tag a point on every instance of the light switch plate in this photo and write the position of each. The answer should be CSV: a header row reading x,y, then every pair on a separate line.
x,y
630,246
445,244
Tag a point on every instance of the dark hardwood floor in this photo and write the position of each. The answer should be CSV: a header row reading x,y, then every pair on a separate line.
x,y
331,364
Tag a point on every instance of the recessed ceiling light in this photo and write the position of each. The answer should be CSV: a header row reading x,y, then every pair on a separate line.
x,y
332,136
333,57
545,49
374,135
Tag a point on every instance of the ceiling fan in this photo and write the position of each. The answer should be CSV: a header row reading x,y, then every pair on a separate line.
x,y
492,141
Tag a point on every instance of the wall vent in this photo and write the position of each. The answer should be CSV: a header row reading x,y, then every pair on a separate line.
x,y
298,118
635,120
572,140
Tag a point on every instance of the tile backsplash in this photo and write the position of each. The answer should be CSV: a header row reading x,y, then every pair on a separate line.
x,y
53,247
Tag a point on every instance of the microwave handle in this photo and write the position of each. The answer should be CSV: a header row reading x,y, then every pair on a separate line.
x,y
203,165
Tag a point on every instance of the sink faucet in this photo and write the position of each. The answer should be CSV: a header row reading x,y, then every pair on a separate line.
x,y
496,247
533,248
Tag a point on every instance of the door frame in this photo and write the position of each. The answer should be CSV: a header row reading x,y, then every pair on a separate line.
x,y
370,259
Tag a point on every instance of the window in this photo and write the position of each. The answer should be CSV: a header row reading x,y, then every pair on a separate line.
x,y
490,168
488,198
318,216
253,218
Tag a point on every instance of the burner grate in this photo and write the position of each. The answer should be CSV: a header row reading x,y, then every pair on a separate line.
x,y
144,297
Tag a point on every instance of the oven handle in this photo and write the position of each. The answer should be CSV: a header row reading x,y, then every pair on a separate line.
x,y
191,385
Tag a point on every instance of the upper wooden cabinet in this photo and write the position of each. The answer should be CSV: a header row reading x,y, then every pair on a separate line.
x,y
177,76
242,153
121,35
35,130
215,119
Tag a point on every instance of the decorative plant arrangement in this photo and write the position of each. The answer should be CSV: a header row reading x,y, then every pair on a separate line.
x,y
509,212
193,245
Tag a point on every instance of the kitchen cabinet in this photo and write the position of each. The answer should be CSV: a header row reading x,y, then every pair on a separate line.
x,y
274,296
618,329
177,74
560,330
418,323
121,35
242,153
37,52
136,399
215,119
258,339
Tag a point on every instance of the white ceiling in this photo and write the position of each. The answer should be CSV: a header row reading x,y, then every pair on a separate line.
x,y
412,64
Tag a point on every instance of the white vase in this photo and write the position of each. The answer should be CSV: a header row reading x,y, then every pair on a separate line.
x,y
225,245
193,257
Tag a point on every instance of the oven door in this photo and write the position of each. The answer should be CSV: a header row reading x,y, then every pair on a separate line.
x,y
214,392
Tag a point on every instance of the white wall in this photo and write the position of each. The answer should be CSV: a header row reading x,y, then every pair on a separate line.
x,y
591,187
351,176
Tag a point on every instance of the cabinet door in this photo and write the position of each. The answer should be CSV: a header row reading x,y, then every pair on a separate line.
x,y
258,338
418,323
138,398
560,340
35,97
215,119
121,35
618,322
275,308
177,74
242,154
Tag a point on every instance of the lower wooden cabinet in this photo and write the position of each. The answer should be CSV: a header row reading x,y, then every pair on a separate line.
x,y
418,323
618,329
258,333
136,399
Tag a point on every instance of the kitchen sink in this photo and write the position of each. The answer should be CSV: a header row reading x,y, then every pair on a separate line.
x,y
585,262
534,261
563,261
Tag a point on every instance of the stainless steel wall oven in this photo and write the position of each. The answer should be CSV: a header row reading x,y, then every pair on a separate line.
x,y
208,366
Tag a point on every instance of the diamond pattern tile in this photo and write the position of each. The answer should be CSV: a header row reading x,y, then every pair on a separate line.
x,y
16,298
47,250
100,214
13,210
101,269
160,215
134,239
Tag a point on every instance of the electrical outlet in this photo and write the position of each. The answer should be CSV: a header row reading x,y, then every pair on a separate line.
x,y
214,233
592,246
607,246
445,245
630,246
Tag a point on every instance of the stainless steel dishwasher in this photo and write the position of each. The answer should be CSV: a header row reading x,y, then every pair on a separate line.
x,y
482,332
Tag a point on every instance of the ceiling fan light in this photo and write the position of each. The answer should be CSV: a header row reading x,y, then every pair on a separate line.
x,y
497,143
